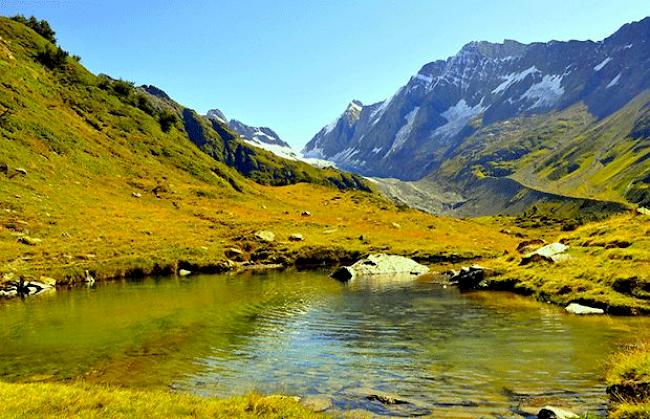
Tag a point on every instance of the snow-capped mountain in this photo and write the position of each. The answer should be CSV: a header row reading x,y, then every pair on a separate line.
x,y
265,138
412,133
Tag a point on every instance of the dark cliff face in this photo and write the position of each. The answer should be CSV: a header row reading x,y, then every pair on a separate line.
x,y
410,134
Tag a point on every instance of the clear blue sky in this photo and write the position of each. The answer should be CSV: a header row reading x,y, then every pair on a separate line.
x,y
294,65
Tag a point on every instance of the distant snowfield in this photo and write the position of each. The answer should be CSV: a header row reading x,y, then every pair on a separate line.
x,y
289,153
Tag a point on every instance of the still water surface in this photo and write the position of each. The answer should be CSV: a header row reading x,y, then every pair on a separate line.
x,y
448,353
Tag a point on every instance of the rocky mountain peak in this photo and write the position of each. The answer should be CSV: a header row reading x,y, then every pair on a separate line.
x,y
217,115
410,134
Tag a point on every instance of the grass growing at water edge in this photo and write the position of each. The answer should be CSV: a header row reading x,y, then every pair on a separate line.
x,y
85,401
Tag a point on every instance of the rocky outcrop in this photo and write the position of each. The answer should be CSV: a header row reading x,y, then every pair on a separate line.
x,y
422,125
554,252
381,264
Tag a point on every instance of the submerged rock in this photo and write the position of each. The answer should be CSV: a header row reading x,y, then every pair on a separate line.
x,y
344,273
380,264
184,272
551,412
316,403
576,308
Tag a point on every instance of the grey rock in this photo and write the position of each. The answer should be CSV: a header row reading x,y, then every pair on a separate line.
x,y
470,277
552,253
381,264
29,241
265,235
551,412
296,237
576,308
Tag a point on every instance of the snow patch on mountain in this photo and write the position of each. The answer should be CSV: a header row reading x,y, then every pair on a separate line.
x,y
602,64
547,92
457,117
614,80
514,78
404,132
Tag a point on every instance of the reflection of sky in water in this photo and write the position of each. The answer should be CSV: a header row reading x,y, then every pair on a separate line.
x,y
303,333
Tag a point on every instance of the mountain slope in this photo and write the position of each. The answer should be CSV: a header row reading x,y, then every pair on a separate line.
x,y
264,138
476,93
97,174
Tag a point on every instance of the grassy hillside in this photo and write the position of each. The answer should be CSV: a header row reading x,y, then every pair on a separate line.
x,y
49,96
99,175
566,153
608,266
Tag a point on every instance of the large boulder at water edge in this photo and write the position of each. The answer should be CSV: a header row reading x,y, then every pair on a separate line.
x,y
576,308
381,264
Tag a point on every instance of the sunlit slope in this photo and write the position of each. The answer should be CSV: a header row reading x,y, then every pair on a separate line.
x,y
96,174
567,153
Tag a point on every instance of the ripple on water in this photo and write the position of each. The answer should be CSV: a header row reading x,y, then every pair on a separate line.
x,y
446,353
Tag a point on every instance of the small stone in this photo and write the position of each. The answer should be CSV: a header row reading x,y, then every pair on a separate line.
x,y
551,412
136,195
528,246
184,272
643,211
576,308
29,241
234,254
306,214
21,171
47,281
296,237
395,225
265,235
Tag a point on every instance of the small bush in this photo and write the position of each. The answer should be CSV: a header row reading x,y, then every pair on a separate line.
x,y
122,87
52,58
167,120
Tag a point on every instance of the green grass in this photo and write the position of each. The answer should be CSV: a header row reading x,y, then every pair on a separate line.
x,y
567,152
609,267
89,143
86,401
628,371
